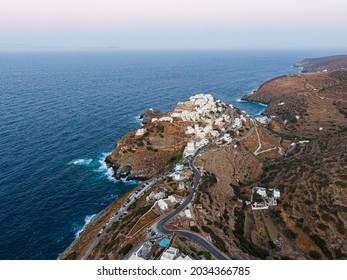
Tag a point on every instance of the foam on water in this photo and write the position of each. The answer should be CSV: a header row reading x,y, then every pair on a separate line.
x,y
87,220
103,168
138,120
84,162
108,172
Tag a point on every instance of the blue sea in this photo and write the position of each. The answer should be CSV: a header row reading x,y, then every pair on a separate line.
x,y
62,112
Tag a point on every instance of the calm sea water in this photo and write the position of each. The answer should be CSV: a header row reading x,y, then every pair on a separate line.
x,y
61,112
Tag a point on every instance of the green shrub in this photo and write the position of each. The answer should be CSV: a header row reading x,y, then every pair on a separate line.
x,y
206,229
194,228
315,255
126,249
322,245
207,255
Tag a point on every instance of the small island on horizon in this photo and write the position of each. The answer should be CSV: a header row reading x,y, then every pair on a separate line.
x,y
217,183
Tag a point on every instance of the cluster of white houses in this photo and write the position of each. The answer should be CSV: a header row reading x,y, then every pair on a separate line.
x,y
198,107
210,113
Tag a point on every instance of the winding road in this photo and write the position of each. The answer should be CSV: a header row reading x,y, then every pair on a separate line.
x,y
160,227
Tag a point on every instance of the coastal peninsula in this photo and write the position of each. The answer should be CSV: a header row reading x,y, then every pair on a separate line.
x,y
220,184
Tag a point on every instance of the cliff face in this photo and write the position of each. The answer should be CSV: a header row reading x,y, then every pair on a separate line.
x,y
141,157
306,105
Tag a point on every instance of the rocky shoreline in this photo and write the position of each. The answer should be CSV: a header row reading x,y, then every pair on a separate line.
x,y
310,217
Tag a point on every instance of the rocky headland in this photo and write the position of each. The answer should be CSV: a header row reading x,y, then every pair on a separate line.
x,y
324,64
308,105
269,190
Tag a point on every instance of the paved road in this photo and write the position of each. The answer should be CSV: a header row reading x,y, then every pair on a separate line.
x,y
160,225
203,242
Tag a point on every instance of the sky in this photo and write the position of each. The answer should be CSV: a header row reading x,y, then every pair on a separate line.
x,y
173,24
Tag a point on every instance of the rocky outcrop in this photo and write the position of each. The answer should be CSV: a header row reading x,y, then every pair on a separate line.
x,y
149,115
140,157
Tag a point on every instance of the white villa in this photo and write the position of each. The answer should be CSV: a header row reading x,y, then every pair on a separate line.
x,y
190,149
170,254
276,193
181,186
237,123
166,119
177,176
140,131
162,204
178,166
188,213
267,200
262,192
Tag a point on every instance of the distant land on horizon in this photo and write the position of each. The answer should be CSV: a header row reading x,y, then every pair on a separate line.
x,y
323,63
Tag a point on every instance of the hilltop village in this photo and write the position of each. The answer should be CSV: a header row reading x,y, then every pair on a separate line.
x,y
219,184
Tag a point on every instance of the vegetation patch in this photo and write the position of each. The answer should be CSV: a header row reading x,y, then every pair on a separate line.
x,y
246,245
126,249
322,245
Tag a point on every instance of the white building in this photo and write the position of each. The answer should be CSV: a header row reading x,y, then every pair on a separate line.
x,y
237,123
176,115
178,166
190,149
186,258
162,204
276,193
261,191
190,130
177,176
159,195
219,121
207,129
172,199
181,186
150,196
227,137
170,254
166,119
214,133
188,213
140,132
136,255
136,258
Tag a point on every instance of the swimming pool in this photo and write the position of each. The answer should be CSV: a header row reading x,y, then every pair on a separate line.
x,y
164,242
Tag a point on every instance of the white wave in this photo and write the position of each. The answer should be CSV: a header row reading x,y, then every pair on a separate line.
x,y
248,94
107,172
138,120
83,161
87,220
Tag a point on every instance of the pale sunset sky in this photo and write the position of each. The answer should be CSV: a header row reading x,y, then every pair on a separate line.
x,y
173,24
